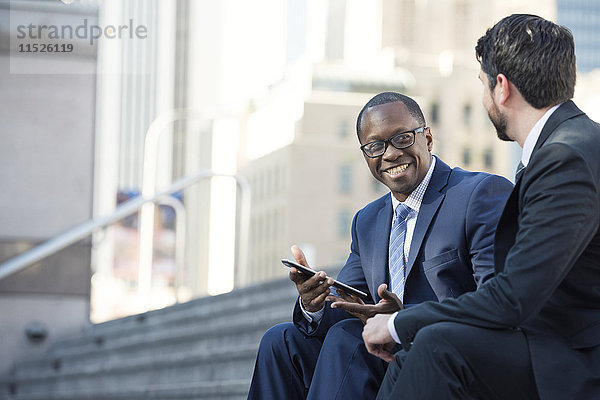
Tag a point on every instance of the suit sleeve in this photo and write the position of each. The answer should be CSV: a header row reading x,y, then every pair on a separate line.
x,y
351,274
483,212
558,219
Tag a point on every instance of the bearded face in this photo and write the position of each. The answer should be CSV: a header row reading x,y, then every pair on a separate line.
x,y
496,116
499,121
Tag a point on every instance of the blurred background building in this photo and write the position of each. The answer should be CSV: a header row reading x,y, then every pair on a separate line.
x,y
424,49
270,91
583,19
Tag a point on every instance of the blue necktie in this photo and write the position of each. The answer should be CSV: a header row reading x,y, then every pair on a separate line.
x,y
397,260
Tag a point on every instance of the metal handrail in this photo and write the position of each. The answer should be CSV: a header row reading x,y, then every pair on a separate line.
x,y
129,207
155,131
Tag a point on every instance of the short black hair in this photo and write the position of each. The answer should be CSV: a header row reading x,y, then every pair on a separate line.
x,y
536,55
391,97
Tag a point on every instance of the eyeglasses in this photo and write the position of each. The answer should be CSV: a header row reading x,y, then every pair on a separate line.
x,y
399,141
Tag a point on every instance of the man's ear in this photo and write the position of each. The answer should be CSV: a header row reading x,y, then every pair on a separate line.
x,y
502,89
428,138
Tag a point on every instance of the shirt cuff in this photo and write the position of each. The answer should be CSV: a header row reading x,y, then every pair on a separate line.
x,y
392,328
312,316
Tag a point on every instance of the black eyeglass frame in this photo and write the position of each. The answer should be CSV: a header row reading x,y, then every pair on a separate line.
x,y
391,141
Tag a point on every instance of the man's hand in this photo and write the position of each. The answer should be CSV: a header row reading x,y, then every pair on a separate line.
x,y
377,337
313,290
389,303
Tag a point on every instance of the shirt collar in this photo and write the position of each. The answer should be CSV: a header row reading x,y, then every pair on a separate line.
x,y
415,199
534,134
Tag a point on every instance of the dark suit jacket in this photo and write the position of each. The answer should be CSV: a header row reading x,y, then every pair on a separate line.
x,y
547,260
451,250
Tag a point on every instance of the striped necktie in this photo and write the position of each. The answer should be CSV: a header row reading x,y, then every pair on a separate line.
x,y
397,260
520,170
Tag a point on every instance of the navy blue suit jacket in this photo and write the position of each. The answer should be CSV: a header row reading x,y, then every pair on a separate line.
x,y
451,251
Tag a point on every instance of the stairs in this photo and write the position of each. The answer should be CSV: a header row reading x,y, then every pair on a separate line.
x,y
203,349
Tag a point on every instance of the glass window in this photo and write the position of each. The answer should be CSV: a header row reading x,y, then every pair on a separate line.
x,y
435,113
488,158
342,129
466,156
467,114
345,179
343,223
377,186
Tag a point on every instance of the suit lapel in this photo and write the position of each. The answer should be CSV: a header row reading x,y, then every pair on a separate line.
x,y
431,202
566,111
381,237
508,226
506,230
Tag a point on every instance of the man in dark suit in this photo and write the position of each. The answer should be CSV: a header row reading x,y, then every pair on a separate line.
x,y
439,245
532,331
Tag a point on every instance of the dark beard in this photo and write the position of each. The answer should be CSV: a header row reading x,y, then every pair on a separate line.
x,y
499,122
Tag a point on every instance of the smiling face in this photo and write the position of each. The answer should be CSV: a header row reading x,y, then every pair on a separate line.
x,y
400,170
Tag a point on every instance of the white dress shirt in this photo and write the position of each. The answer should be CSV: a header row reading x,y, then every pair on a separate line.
x,y
534,134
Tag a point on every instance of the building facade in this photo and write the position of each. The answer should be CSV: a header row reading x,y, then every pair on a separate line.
x,y
422,48
582,17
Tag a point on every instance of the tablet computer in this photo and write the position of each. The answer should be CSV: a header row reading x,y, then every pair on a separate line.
x,y
311,272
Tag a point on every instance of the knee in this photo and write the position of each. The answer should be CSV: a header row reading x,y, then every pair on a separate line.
x,y
274,339
345,327
347,332
441,330
440,336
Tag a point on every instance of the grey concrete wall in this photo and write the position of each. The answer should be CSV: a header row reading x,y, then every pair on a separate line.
x,y
66,272
61,315
46,136
46,180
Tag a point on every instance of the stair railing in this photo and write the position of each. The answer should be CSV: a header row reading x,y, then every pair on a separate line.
x,y
130,207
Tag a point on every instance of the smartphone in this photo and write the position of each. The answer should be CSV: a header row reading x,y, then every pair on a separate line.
x,y
311,272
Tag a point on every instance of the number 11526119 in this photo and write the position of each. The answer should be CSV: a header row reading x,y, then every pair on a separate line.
x,y
46,48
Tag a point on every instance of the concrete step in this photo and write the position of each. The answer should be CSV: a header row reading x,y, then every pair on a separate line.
x,y
202,349
180,340
252,301
241,326
215,365
223,390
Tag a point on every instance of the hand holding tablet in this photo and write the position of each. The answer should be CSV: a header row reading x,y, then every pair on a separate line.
x,y
311,272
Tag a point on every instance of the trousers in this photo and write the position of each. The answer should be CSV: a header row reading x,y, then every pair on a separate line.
x,y
290,365
457,361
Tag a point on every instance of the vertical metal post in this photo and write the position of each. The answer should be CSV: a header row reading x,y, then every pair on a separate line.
x,y
180,234
151,140
146,250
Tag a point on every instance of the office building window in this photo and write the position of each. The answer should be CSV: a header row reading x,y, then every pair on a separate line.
x,y
342,129
488,158
466,156
345,179
377,186
467,114
435,113
343,223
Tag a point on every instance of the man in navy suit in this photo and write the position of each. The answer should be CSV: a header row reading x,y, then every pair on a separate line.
x,y
431,238
532,331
